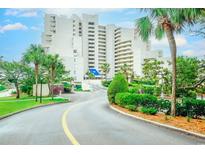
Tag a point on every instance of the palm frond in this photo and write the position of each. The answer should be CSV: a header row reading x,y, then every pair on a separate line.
x,y
144,28
159,32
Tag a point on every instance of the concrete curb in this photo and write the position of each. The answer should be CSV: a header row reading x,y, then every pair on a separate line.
x,y
201,136
39,106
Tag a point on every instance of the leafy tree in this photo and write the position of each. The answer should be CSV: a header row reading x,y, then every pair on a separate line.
x,y
14,72
167,21
105,69
35,54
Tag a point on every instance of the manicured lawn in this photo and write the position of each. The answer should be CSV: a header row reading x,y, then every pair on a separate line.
x,y
10,104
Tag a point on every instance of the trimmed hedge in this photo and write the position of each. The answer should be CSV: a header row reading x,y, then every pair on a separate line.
x,y
131,107
139,88
145,100
118,84
149,110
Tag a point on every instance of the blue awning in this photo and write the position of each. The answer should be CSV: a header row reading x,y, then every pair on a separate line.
x,y
95,72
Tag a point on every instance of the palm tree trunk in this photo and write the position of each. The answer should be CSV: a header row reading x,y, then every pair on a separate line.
x,y
36,77
173,49
52,79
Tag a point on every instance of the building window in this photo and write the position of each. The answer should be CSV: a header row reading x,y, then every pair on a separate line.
x,y
91,23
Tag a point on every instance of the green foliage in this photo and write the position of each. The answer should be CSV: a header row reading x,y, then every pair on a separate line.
x,y
140,88
125,98
164,106
67,87
149,110
145,100
2,87
143,80
194,107
131,107
106,83
118,84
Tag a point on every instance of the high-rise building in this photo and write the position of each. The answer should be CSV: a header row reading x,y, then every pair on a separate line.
x,y
82,44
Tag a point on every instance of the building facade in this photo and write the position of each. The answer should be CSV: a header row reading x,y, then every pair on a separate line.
x,y
82,44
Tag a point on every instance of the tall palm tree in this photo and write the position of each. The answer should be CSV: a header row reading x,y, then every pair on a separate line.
x,y
125,69
105,69
52,63
35,55
160,22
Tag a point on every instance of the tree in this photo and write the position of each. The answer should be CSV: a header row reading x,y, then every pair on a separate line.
x,y
190,75
14,72
167,21
55,69
125,69
35,55
105,69
154,70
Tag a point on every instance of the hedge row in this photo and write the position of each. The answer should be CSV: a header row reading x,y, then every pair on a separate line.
x,y
131,101
188,107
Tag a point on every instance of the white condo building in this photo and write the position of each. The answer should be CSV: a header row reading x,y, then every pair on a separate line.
x,y
82,44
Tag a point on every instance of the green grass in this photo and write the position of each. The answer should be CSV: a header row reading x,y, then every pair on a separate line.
x,y
11,105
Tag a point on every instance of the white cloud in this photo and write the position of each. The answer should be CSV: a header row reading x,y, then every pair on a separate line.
x,y
10,27
193,53
21,12
69,12
180,41
188,53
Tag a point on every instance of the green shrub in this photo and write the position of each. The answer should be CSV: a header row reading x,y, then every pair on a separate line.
x,y
106,83
140,88
148,89
149,110
134,90
157,91
67,87
131,107
194,108
2,87
118,84
123,99
164,106
146,100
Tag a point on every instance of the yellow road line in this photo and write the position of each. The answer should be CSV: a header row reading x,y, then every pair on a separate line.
x,y
66,129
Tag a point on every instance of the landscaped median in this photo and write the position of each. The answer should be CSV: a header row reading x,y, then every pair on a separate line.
x,y
10,105
190,112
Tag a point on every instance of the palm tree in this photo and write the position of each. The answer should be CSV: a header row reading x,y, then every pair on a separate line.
x,y
167,21
125,69
105,69
52,63
35,55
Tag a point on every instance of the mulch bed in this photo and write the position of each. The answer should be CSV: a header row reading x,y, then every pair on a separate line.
x,y
195,125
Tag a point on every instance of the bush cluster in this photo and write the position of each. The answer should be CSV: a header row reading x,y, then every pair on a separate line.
x,y
132,100
149,110
118,84
191,107
140,88
187,107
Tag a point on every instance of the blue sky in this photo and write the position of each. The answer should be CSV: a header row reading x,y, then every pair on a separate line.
x,y
21,27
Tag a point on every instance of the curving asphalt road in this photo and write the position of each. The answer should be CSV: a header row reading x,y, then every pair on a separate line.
x,y
90,121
